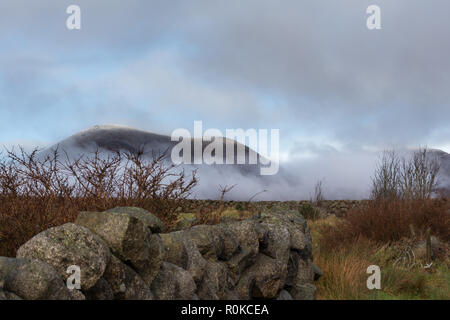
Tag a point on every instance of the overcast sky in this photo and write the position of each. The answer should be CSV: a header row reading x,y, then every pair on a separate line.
x,y
309,68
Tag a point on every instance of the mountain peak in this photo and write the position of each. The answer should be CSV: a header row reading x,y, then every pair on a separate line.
x,y
107,127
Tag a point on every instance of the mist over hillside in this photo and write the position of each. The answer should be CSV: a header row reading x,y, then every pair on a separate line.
x,y
344,175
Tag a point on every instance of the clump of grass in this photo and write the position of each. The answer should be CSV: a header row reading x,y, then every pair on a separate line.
x,y
344,272
416,283
308,211
36,194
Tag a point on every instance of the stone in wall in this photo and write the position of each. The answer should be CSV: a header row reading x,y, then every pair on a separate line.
x,y
67,245
122,255
128,237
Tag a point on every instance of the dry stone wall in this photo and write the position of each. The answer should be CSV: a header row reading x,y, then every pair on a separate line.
x,y
122,254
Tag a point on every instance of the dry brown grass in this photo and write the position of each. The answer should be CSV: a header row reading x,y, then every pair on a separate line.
x,y
344,272
343,266
212,213
375,235
36,194
389,221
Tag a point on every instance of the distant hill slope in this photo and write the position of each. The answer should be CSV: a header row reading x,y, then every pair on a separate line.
x,y
444,172
289,184
112,138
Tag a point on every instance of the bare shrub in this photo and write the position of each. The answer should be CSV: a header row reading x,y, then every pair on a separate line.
x,y
385,182
211,214
405,178
419,175
318,193
36,194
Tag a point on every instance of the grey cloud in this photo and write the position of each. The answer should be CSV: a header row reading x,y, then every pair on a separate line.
x,y
328,73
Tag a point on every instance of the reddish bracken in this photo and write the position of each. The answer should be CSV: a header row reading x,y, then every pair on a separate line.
x,y
38,194
386,221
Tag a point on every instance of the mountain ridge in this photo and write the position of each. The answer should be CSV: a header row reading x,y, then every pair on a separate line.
x,y
113,138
